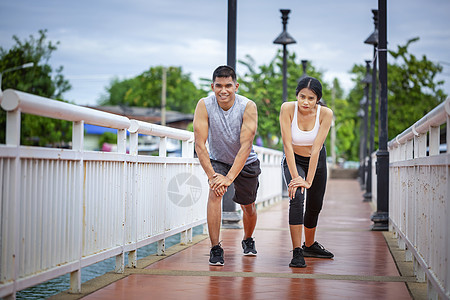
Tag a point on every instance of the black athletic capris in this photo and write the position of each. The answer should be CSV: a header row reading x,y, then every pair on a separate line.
x,y
314,195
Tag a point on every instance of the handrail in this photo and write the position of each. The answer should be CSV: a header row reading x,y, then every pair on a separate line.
x,y
64,190
419,197
159,130
434,118
41,106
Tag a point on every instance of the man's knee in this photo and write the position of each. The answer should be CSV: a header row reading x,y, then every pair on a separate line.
x,y
249,210
213,198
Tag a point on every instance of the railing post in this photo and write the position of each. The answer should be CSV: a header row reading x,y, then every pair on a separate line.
x,y
78,145
186,237
434,141
161,248
122,148
11,216
132,223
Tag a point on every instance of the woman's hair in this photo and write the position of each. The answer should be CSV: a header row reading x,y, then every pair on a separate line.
x,y
310,83
224,71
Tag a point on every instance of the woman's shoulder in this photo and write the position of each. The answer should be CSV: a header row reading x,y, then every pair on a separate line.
x,y
288,106
325,112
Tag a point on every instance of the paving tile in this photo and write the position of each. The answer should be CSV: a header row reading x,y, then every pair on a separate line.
x,y
344,229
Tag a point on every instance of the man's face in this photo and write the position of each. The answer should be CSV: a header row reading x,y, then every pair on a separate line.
x,y
224,88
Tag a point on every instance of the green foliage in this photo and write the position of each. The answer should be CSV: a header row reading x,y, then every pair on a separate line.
x,y
36,80
264,85
413,89
145,90
412,92
107,137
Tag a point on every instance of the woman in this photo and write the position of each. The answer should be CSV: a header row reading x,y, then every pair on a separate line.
x,y
304,128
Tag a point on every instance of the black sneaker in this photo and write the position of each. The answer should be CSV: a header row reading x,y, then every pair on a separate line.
x,y
298,261
216,256
316,250
249,246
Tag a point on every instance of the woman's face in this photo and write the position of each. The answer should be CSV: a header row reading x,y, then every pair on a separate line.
x,y
307,99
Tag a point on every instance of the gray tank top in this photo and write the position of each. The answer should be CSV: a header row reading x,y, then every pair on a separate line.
x,y
225,129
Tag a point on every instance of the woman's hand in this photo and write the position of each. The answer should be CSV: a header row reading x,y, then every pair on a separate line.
x,y
296,183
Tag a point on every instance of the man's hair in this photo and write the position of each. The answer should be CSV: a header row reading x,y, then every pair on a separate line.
x,y
224,71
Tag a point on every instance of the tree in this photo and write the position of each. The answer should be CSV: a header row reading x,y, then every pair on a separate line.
x,y
412,92
263,84
413,89
37,80
145,90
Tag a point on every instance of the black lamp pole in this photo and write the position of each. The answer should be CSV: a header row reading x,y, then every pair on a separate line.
x,y
365,105
230,217
372,40
231,45
381,217
284,39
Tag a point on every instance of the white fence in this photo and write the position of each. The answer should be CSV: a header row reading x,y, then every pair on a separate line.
x,y
64,209
419,204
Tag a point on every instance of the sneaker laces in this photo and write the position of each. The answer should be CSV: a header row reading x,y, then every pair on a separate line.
x,y
217,249
297,252
249,242
320,245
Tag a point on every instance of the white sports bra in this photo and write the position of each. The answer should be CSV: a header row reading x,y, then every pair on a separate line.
x,y
300,137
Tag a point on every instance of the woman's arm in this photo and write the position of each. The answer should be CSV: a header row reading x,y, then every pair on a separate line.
x,y
325,124
286,116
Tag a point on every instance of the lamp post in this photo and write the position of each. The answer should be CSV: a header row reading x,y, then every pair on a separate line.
x,y
230,217
27,65
360,114
372,40
231,37
284,39
381,217
365,106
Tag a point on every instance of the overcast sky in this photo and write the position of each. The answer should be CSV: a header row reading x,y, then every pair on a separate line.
x,y
102,39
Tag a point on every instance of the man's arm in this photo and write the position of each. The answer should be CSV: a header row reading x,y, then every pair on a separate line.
x,y
248,131
201,135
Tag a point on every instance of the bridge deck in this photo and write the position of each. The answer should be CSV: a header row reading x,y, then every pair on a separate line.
x,y
363,267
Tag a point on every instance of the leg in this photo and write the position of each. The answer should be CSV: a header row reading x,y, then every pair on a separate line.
x,y
214,216
295,208
249,219
310,234
296,235
314,199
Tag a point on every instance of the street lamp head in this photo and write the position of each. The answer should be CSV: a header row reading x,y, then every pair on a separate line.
x,y
373,37
367,79
363,102
360,113
284,38
27,65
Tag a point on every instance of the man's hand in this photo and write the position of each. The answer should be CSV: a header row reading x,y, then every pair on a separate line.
x,y
219,184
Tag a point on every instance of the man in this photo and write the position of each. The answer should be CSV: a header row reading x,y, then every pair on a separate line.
x,y
228,122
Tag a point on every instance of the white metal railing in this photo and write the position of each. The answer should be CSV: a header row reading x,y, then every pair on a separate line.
x,y
419,204
64,209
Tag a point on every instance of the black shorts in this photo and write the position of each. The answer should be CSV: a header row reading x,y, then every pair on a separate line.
x,y
246,183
